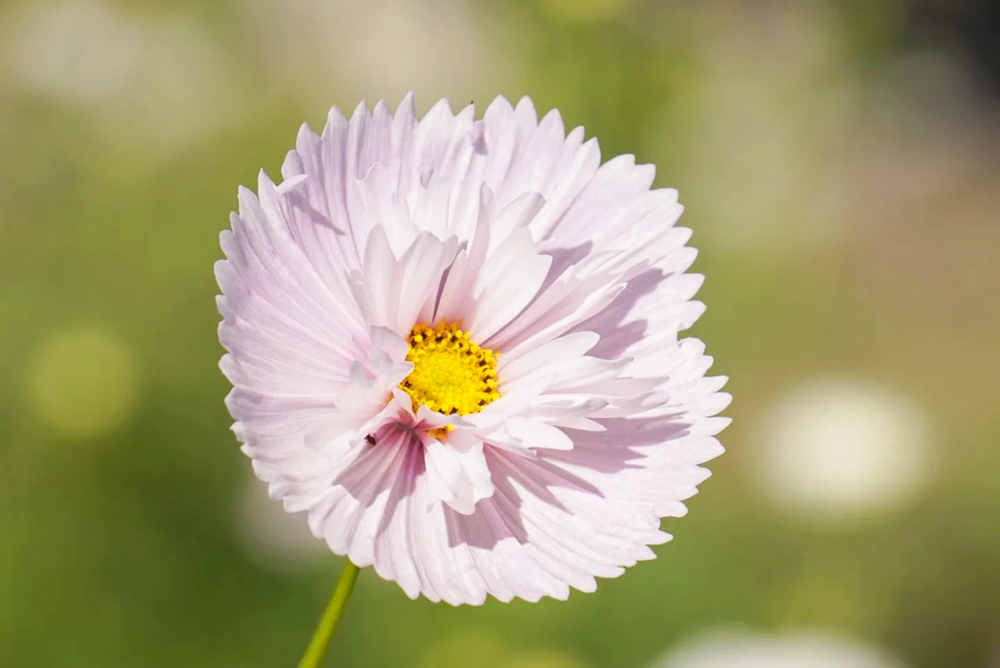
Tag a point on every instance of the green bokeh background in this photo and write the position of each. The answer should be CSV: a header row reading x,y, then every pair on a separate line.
x,y
841,177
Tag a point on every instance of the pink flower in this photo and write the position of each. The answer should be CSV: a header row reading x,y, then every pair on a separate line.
x,y
454,344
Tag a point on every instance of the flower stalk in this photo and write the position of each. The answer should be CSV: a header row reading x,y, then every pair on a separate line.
x,y
316,651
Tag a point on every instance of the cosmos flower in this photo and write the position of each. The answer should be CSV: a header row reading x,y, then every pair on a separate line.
x,y
454,344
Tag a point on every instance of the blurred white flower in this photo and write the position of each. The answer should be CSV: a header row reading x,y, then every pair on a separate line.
x,y
373,49
83,51
153,84
761,123
724,649
82,381
185,93
840,449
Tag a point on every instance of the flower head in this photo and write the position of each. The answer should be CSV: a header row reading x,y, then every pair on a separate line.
x,y
454,344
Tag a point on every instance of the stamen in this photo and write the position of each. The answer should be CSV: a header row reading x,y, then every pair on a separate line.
x,y
451,373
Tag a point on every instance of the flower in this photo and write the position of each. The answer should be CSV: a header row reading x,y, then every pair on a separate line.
x,y
454,344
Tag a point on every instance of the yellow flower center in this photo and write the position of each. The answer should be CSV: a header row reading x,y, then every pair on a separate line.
x,y
451,373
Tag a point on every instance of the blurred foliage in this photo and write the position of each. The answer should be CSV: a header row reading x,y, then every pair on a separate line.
x,y
842,185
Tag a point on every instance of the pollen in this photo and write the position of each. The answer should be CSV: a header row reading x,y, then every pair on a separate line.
x,y
451,372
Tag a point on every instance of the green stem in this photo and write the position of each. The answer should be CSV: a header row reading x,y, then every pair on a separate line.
x,y
328,625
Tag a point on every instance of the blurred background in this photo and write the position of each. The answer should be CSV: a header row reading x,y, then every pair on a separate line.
x,y
839,162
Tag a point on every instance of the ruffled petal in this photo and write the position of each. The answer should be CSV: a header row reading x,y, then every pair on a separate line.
x,y
456,471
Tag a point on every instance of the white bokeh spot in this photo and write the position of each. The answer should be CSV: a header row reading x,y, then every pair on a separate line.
x,y
840,449
797,649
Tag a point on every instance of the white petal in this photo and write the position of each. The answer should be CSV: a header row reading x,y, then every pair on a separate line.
x,y
510,279
535,434
457,472
523,361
